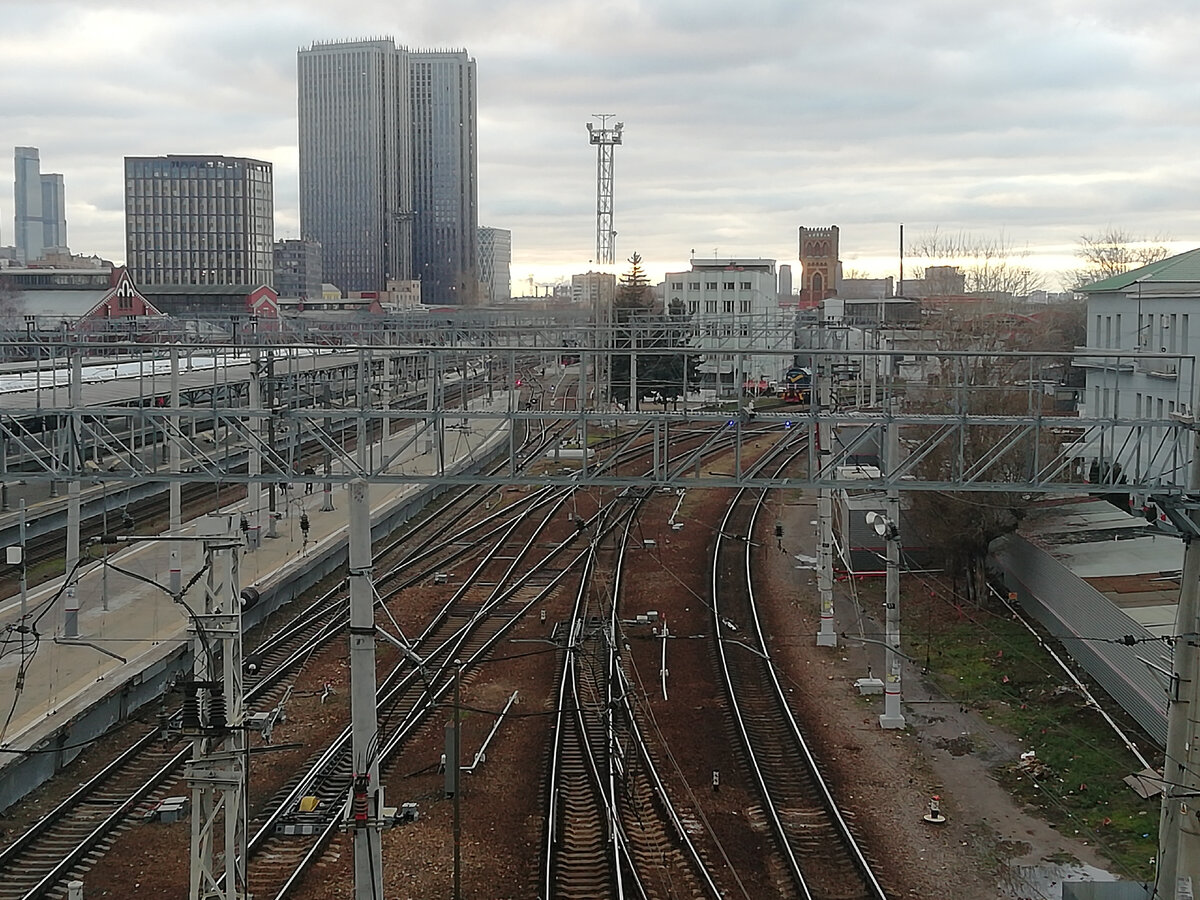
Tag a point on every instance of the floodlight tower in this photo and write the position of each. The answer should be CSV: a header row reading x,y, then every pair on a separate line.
x,y
605,139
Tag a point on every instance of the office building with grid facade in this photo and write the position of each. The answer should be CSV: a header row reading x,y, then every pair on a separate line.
x,y
194,220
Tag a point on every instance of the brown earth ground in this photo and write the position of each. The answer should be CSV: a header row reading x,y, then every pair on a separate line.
x,y
885,778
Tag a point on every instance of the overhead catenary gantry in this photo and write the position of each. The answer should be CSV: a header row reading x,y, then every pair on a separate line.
x,y
948,445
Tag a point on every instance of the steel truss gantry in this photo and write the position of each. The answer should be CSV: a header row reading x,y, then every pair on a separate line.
x,y
948,445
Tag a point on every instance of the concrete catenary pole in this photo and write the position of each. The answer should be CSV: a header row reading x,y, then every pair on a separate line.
x,y
74,461
254,404
892,716
1179,830
175,522
366,793
827,635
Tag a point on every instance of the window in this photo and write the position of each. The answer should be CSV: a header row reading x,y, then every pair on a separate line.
x,y
710,285
728,306
745,286
710,306
693,306
677,285
729,285
745,306
693,285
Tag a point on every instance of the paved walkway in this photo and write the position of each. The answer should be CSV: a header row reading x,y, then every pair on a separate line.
x,y
125,610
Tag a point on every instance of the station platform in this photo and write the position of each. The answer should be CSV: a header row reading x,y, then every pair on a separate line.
x,y
129,625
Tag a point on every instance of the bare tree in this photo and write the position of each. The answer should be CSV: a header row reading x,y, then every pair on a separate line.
x,y
958,526
987,264
1113,252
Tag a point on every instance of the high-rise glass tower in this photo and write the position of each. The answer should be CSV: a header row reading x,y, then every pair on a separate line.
x,y
199,220
445,195
356,161
40,217
388,166
495,264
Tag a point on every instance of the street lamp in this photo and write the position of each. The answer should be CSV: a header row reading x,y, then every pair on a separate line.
x,y
885,527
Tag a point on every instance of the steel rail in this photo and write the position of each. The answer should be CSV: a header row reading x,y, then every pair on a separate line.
x,y
778,700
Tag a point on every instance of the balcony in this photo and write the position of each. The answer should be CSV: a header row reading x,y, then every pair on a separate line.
x,y
1104,358
1160,367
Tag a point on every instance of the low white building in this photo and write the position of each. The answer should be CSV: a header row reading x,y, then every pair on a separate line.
x,y
1151,317
733,305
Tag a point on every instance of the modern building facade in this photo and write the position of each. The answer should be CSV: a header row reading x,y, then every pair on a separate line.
x,y
445,193
1153,310
198,220
39,204
495,264
388,168
356,160
298,269
734,310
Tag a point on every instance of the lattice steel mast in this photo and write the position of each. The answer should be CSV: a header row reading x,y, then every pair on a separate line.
x,y
605,139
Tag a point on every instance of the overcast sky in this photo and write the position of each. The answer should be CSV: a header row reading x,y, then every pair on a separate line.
x,y
1039,119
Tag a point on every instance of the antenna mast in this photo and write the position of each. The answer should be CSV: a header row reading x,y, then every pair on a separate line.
x,y
605,139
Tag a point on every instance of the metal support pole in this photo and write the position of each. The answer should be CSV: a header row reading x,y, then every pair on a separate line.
x,y
827,634
74,467
327,487
175,522
364,718
635,400
892,716
214,716
4,504
254,488
273,486
1179,837
457,763
24,576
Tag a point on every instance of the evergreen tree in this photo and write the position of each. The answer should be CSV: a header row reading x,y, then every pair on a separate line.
x,y
636,323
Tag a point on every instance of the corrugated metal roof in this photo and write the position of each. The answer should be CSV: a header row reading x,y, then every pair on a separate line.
x,y
60,303
1174,269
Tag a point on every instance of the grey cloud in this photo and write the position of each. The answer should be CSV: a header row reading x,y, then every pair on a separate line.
x,y
742,121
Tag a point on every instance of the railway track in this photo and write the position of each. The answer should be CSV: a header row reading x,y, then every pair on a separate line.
x,y
811,831
289,840
419,555
63,843
611,827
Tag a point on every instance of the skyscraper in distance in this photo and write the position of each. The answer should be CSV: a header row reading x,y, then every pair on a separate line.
x,y
388,166
356,161
445,194
39,208
495,264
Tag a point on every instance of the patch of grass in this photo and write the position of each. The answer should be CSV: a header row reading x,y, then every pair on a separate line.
x,y
984,659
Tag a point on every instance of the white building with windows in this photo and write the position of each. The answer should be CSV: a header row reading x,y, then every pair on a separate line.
x,y
733,305
495,264
1151,317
